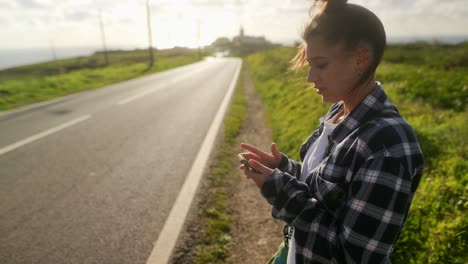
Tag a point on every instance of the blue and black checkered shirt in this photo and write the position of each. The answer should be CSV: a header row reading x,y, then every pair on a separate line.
x,y
353,205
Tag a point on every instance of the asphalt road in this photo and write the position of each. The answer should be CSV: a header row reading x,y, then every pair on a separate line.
x,y
91,177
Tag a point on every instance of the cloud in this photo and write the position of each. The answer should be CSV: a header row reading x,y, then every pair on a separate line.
x,y
424,17
301,9
275,19
33,22
209,3
77,16
218,3
33,4
197,5
4,21
127,21
5,5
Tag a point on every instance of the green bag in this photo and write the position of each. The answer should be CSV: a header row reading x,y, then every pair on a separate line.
x,y
281,256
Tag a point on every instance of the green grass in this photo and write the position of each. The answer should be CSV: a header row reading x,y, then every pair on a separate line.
x,y
215,238
428,83
27,84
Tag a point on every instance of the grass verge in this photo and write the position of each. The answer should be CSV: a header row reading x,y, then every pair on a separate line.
x,y
33,83
216,220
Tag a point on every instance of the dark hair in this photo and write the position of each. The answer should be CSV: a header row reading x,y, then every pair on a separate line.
x,y
339,22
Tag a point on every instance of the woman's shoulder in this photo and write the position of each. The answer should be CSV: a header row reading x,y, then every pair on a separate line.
x,y
390,133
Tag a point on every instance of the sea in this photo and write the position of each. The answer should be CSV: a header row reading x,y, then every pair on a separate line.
x,y
17,57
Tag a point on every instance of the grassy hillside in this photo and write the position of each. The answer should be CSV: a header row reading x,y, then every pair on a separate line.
x,y
429,85
27,84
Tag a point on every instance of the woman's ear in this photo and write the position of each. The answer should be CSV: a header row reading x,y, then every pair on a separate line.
x,y
362,59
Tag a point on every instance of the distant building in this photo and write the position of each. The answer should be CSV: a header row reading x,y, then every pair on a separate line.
x,y
241,44
242,39
249,44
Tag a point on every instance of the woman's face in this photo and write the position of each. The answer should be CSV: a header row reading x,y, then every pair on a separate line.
x,y
333,71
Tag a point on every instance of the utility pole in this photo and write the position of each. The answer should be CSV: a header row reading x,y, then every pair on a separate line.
x,y
54,56
150,48
52,49
199,41
103,36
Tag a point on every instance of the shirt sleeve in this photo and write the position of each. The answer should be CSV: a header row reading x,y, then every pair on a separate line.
x,y
288,196
371,218
290,166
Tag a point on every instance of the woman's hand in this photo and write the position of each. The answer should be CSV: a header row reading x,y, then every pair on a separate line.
x,y
271,160
262,162
260,175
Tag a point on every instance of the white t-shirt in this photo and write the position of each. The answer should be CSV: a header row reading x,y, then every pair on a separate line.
x,y
312,158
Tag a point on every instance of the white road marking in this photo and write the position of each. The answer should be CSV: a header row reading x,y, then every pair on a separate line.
x,y
168,237
128,100
42,134
172,81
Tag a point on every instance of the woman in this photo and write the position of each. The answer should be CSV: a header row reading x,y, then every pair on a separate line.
x,y
348,200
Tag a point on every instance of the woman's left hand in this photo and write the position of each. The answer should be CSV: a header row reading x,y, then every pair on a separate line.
x,y
260,176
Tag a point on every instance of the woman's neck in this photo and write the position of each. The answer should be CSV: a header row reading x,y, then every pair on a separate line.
x,y
357,95
354,98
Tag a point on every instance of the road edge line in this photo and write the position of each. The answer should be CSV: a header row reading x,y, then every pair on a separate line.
x,y
168,236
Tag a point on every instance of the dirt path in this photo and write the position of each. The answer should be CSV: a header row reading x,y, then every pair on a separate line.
x,y
255,234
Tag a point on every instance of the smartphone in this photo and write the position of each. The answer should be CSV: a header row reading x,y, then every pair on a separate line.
x,y
245,162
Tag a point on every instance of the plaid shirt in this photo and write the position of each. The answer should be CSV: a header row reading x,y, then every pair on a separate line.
x,y
352,206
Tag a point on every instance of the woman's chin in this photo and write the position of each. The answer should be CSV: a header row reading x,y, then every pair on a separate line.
x,y
327,99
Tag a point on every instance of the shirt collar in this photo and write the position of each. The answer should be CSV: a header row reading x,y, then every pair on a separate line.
x,y
373,103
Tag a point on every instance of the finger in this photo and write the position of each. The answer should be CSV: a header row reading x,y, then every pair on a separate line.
x,y
242,168
261,174
250,155
275,151
250,174
255,150
262,169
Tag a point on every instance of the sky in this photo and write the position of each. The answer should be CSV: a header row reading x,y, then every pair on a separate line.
x,y
76,23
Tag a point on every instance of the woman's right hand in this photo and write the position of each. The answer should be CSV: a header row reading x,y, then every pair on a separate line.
x,y
271,160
